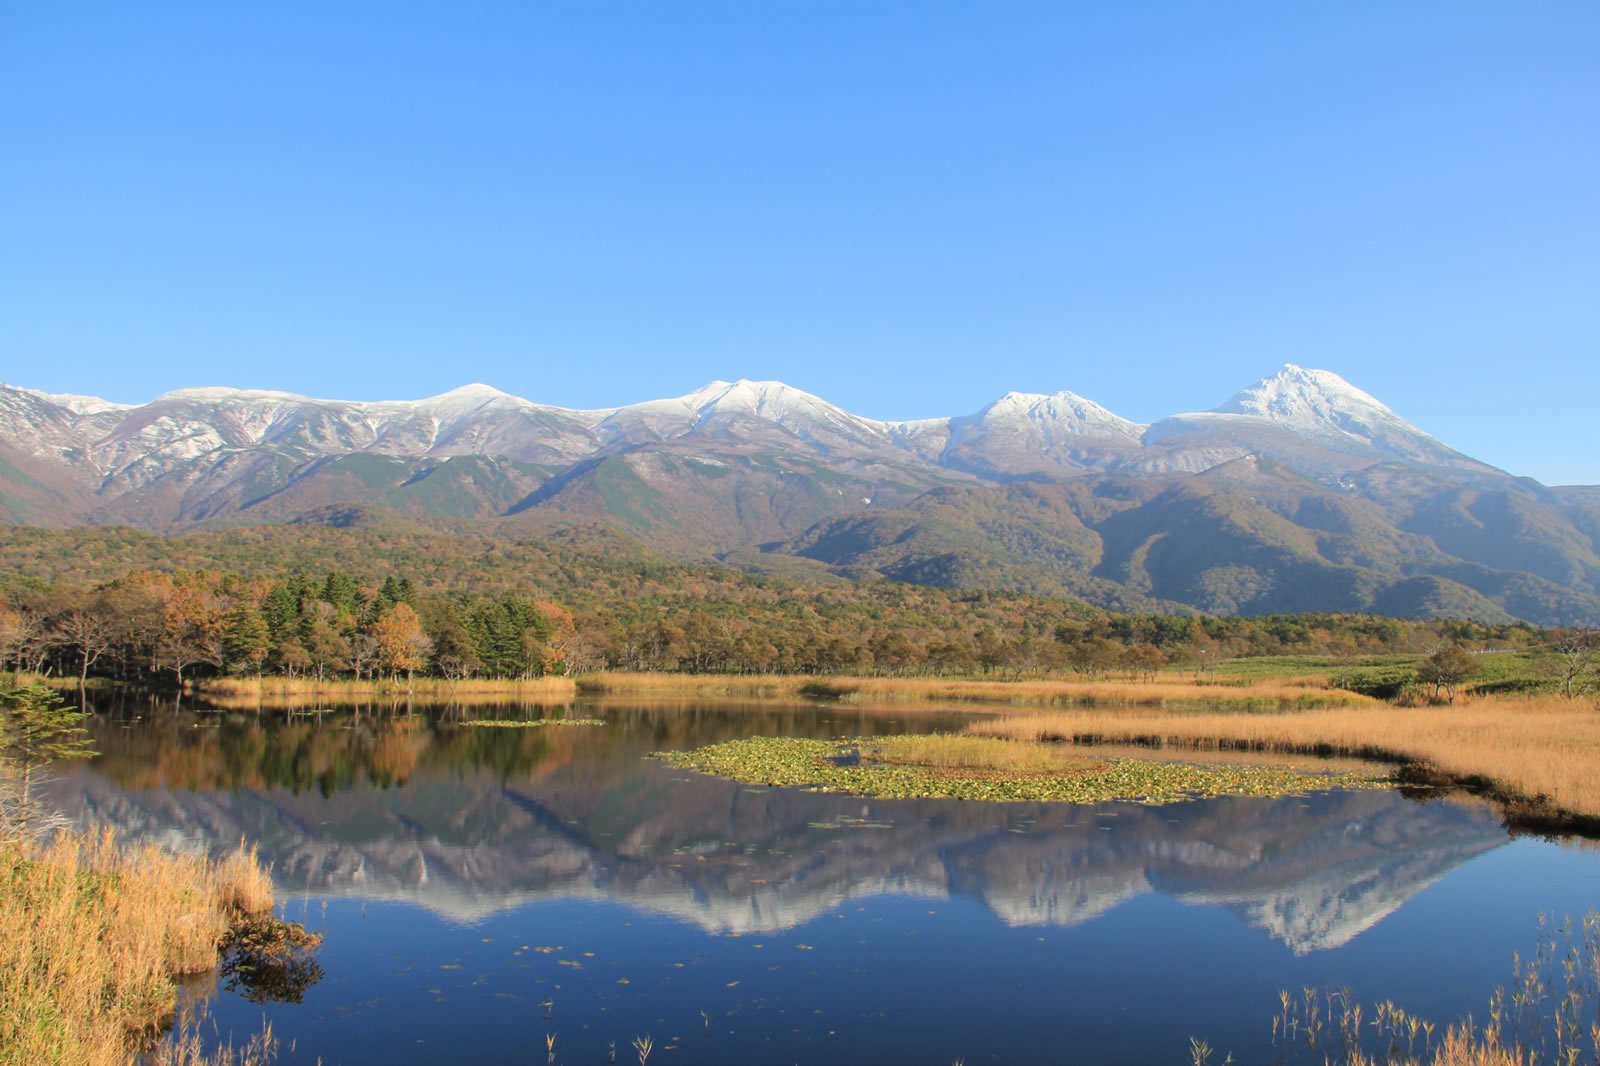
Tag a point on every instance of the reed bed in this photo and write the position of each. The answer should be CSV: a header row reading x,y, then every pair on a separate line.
x,y
1547,1015
947,751
92,935
238,693
910,692
715,686
1525,747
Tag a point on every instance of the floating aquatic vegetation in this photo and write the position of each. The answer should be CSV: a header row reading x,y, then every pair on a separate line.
x,y
820,766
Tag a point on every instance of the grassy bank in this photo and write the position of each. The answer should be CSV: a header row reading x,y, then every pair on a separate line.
x,y
1537,754
243,693
1166,690
92,937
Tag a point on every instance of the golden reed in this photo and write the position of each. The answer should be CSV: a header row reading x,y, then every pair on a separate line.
x,y
1529,746
93,934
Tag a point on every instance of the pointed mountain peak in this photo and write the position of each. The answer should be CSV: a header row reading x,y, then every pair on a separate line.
x,y
1066,410
1317,406
474,395
1301,397
476,390
765,399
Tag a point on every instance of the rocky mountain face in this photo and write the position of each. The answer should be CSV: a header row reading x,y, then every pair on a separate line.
x,y
1300,493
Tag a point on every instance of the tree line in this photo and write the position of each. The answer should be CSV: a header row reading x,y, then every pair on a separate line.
x,y
151,625
172,625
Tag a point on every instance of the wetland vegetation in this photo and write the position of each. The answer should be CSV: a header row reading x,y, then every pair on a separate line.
x,y
98,935
986,769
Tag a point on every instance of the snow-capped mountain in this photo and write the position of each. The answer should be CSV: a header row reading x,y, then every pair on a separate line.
x,y
1314,406
1301,492
123,447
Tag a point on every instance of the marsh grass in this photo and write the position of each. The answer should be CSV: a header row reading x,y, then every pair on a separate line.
x,y
1539,752
94,935
244,693
947,751
1167,690
1549,1014
186,1048
1000,771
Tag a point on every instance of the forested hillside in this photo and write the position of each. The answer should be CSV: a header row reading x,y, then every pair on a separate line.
x,y
361,603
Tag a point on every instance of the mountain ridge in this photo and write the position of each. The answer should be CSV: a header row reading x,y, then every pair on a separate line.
x,y
1299,492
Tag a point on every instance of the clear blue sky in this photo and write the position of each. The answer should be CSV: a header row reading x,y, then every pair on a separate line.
x,y
908,209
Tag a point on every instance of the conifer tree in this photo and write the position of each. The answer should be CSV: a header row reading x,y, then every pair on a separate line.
x,y
36,729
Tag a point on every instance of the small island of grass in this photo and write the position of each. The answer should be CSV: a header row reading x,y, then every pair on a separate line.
x,y
989,769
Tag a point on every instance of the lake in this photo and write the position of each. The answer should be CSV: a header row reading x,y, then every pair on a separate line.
x,y
482,889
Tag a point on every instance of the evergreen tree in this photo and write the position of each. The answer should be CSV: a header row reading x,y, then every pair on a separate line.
x,y
36,729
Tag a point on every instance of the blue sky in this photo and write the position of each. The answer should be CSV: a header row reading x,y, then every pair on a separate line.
x,y
908,209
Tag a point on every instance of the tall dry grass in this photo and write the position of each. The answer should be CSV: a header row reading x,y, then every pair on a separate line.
x,y
897,691
1530,747
92,935
236,692
943,751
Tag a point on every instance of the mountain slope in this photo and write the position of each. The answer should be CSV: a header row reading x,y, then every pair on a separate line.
x,y
1300,492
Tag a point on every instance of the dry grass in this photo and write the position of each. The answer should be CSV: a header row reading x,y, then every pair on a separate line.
x,y
725,686
278,693
1539,746
93,935
1166,691
1546,1015
945,751
185,1048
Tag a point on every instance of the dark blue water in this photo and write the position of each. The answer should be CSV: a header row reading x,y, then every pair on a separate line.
x,y
482,889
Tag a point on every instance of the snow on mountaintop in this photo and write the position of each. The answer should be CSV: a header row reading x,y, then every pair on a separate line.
x,y
215,394
771,401
1305,398
460,401
1066,409
1319,407
764,399
78,405
1019,432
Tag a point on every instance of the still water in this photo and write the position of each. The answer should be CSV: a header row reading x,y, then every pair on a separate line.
x,y
482,889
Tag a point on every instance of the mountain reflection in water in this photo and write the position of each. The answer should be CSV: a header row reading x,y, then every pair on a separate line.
x,y
467,822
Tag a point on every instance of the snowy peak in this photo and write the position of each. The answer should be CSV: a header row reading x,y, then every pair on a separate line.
x,y
1312,419
745,410
78,405
770,400
462,402
1306,399
1063,412
1317,407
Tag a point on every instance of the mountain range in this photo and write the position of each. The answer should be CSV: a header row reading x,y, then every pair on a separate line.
x,y
1302,492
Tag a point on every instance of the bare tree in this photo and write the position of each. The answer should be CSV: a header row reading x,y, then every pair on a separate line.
x,y
25,637
1575,658
90,629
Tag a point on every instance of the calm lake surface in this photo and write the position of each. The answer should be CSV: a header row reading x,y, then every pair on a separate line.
x,y
482,888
